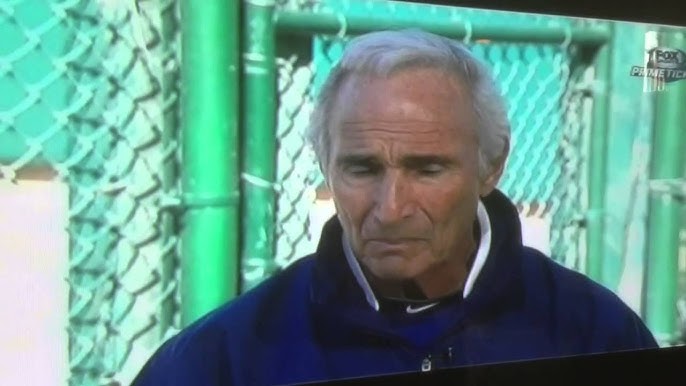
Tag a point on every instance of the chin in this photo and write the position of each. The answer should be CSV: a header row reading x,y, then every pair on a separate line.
x,y
393,271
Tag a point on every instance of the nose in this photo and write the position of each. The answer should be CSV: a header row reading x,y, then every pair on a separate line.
x,y
393,201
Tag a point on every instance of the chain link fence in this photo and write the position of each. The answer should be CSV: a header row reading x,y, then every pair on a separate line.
x,y
90,93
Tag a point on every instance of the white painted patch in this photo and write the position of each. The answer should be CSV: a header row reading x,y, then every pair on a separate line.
x,y
33,269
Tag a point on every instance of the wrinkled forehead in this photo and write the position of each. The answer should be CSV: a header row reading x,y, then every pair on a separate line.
x,y
414,72
414,94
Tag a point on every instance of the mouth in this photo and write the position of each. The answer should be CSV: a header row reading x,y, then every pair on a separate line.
x,y
394,241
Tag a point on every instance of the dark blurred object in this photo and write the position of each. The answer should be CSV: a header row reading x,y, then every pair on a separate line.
x,y
656,12
662,366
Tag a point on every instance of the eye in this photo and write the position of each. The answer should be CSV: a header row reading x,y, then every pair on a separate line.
x,y
361,170
430,169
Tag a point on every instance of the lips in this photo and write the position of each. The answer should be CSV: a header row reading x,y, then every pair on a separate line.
x,y
392,243
401,240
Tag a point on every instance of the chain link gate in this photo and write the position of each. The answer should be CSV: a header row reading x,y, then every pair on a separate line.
x,y
90,92
547,87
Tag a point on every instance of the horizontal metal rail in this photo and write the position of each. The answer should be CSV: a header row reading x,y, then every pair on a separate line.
x,y
343,24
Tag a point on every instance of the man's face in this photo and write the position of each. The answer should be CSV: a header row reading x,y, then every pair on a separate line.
x,y
403,171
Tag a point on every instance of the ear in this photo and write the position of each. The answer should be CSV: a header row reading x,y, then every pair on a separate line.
x,y
491,180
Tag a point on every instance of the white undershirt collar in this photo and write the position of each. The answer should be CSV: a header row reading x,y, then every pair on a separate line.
x,y
479,260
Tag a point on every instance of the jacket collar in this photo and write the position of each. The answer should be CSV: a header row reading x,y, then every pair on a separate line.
x,y
497,276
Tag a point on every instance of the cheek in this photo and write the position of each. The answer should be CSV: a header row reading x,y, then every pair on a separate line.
x,y
452,210
350,206
449,199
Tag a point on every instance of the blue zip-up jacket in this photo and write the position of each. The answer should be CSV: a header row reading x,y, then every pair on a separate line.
x,y
311,322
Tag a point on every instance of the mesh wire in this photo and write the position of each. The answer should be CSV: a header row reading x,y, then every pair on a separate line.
x,y
92,96
296,170
90,91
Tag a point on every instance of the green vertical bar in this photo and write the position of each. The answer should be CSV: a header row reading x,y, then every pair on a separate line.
x,y
598,164
209,98
630,125
667,162
259,141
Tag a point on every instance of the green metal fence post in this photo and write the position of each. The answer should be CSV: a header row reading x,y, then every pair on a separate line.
x,y
259,141
209,34
598,164
667,163
626,203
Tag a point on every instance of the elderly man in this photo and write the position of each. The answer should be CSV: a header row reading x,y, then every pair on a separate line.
x,y
423,265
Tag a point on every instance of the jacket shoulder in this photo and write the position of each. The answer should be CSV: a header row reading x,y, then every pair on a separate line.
x,y
205,352
597,315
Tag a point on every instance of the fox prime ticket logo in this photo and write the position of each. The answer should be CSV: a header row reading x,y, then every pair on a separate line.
x,y
664,65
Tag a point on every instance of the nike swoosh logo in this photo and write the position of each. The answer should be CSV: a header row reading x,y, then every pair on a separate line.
x,y
413,310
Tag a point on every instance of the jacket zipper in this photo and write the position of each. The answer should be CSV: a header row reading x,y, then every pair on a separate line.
x,y
428,363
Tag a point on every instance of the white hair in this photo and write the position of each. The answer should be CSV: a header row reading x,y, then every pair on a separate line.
x,y
382,53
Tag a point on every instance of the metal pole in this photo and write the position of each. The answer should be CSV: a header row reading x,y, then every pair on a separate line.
x,y
332,24
209,34
598,165
259,142
664,219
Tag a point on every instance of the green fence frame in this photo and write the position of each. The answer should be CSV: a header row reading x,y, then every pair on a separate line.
x,y
665,215
258,142
210,155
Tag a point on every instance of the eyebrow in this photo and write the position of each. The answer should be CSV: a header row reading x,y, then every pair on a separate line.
x,y
410,161
356,159
415,161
